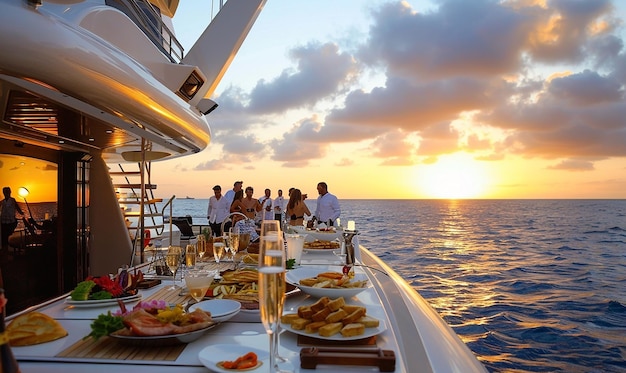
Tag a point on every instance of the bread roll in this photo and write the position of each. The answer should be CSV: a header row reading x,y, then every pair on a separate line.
x,y
336,316
305,312
320,304
369,321
321,315
300,323
336,304
354,316
314,326
331,329
288,318
353,329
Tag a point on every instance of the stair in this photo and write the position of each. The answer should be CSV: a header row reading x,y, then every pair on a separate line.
x,y
132,198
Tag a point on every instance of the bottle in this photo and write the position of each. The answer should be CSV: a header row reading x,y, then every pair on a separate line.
x,y
8,364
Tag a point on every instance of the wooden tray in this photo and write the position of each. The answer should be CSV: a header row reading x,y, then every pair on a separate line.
x,y
385,360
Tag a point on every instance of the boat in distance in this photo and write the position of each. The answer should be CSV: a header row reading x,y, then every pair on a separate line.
x,y
95,90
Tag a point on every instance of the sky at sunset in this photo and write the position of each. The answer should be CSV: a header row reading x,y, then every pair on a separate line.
x,y
417,99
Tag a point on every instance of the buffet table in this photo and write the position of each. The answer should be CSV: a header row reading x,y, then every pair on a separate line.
x,y
65,355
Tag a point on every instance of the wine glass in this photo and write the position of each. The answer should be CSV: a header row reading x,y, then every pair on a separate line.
x,y
173,260
190,256
198,282
218,250
272,284
235,234
226,237
201,246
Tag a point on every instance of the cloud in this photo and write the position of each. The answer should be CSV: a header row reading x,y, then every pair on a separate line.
x,y
477,37
300,144
548,77
573,165
322,71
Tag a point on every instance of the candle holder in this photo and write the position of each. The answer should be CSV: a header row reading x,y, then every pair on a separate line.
x,y
348,235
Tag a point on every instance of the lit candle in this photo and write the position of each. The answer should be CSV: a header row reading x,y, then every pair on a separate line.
x,y
351,225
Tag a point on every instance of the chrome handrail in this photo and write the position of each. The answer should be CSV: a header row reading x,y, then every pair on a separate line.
x,y
169,202
229,218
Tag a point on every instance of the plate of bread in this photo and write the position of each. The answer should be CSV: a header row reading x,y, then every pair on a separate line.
x,y
333,319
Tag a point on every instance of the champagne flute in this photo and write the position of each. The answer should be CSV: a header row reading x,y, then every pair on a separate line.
x,y
218,250
271,284
198,282
201,246
190,257
234,243
173,260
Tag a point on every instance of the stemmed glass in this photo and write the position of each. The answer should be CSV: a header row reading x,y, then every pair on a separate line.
x,y
198,282
218,250
234,235
272,284
173,260
201,246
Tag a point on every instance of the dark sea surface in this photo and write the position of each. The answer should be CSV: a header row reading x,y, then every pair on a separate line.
x,y
529,285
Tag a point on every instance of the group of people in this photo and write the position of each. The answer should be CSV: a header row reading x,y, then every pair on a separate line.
x,y
268,208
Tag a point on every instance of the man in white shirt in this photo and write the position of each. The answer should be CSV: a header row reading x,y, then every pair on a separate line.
x,y
265,201
327,209
230,195
218,211
279,205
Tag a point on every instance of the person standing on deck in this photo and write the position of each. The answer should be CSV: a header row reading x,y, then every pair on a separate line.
x,y
327,210
266,201
279,205
250,205
296,208
230,195
7,217
218,211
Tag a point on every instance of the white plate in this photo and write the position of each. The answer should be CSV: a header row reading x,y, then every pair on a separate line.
x,y
221,309
369,332
321,251
102,302
210,356
162,340
294,276
313,235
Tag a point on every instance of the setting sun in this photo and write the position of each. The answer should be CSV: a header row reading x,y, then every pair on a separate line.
x,y
453,176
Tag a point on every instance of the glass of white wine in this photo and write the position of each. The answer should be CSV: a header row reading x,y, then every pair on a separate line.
x,y
201,246
198,282
190,256
173,259
234,236
272,284
218,250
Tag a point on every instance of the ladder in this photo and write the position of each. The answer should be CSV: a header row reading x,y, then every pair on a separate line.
x,y
136,200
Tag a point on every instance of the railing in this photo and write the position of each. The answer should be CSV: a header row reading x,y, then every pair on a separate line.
x,y
148,19
171,205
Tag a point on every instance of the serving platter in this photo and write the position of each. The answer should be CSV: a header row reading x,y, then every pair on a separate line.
x,y
162,340
369,332
101,302
211,356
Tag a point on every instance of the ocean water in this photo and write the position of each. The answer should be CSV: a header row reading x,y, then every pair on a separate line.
x,y
528,285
